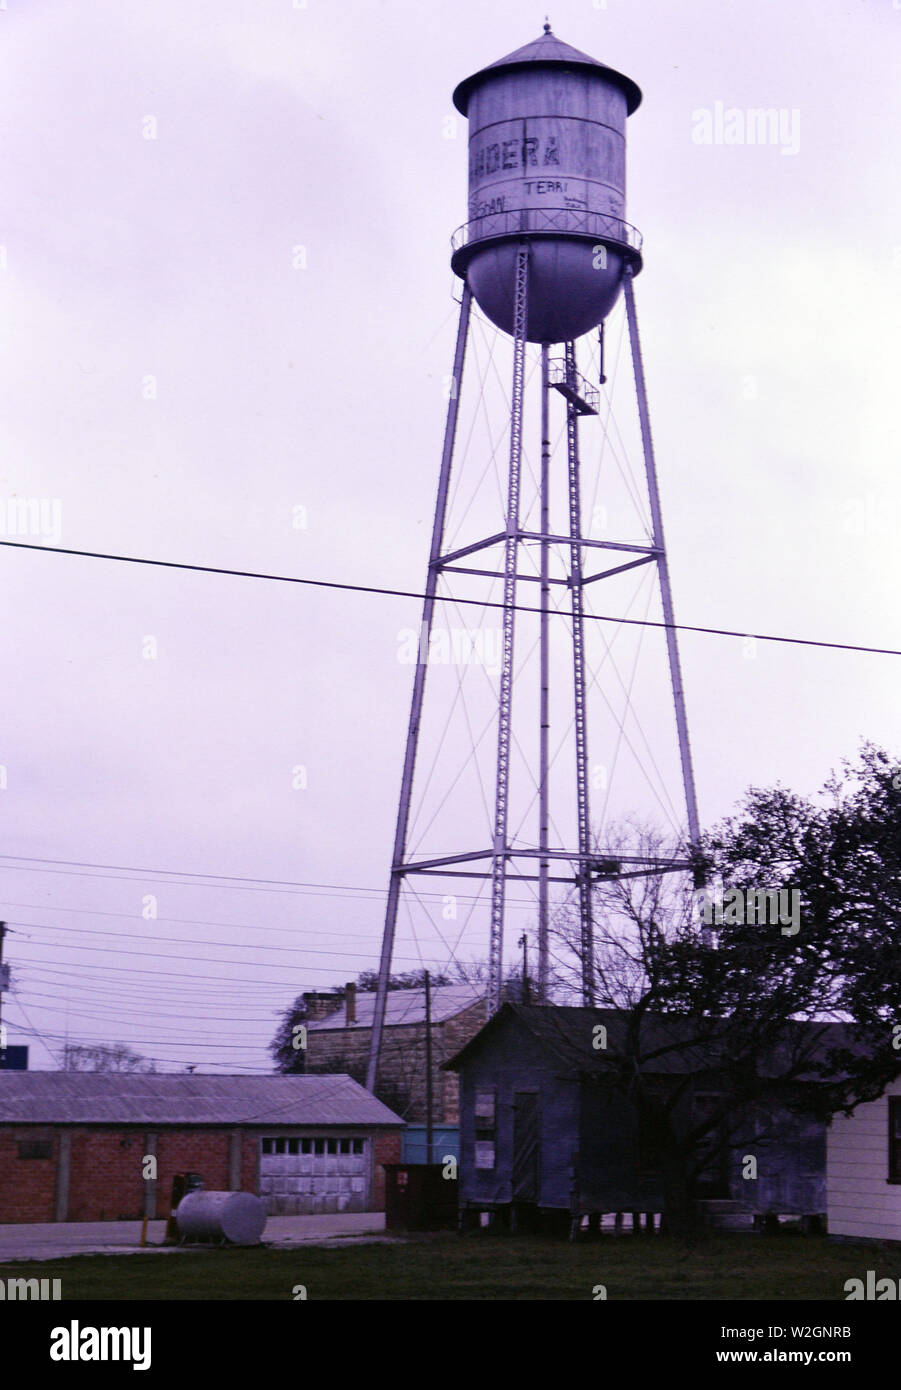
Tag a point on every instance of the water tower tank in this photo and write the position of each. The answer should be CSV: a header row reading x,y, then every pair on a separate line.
x,y
547,163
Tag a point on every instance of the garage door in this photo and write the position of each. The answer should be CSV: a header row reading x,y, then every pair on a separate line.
x,y
305,1176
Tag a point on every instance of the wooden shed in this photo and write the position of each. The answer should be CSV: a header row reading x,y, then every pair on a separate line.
x,y
545,1129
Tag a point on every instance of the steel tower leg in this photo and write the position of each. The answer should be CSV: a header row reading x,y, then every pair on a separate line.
x,y
586,923
505,700
428,609
544,661
672,646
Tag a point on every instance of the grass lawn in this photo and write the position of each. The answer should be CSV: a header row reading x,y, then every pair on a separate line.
x,y
445,1266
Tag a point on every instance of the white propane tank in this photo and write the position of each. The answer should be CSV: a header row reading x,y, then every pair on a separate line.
x,y
238,1217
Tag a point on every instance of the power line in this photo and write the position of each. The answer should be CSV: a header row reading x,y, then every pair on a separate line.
x,y
162,955
294,968
210,922
141,1002
444,598
226,880
217,986
45,1038
200,941
109,1017
187,873
171,974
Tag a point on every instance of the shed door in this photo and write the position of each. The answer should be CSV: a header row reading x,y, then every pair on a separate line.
x,y
712,1176
525,1146
300,1177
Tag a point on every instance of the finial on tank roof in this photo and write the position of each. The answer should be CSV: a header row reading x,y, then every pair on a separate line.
x,y
547,25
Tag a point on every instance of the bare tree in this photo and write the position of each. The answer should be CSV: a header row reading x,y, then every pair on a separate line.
x,y
106,1057
630,917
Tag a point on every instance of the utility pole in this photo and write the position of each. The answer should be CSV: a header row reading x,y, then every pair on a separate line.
x,y
4,980
429,1141
524,943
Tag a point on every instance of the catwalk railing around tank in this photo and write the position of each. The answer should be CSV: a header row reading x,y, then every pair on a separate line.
x,y
536,220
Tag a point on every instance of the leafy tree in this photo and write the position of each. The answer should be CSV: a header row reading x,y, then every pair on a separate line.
x,y
740,988
368,980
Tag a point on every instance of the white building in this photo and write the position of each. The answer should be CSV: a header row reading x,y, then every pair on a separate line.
x,y
863,1169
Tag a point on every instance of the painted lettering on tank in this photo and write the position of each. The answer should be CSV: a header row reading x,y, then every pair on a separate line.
x,y
541,186
487,207
513,154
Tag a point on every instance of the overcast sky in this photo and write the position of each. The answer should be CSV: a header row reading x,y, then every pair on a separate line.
x,y
227,315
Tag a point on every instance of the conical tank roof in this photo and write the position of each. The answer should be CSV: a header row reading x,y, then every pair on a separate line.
x,y
547,51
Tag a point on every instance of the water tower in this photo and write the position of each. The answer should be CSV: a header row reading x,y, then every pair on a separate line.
x,y
545,254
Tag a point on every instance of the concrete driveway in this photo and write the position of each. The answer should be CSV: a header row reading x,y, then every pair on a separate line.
x,y
56,1240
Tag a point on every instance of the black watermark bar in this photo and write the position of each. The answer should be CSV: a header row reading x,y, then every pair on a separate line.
x,y
655,1337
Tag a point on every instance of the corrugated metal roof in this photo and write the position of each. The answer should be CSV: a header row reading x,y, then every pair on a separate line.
x,y
65,1097
665,1042
404,1006
548,49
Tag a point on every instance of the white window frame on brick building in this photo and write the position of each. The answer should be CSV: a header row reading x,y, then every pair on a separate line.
x,y
314,1144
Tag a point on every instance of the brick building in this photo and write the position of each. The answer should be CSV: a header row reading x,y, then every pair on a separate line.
x,y
74,1146
339,1030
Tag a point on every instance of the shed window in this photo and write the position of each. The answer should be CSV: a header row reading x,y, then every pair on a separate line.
x,y
357,1145
484,1153
485,1109
711,1180
293,1146
894,1139
485,1136
35,1148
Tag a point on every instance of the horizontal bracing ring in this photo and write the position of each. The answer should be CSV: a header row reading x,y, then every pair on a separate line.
x,y
593,859
631,548
647,872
